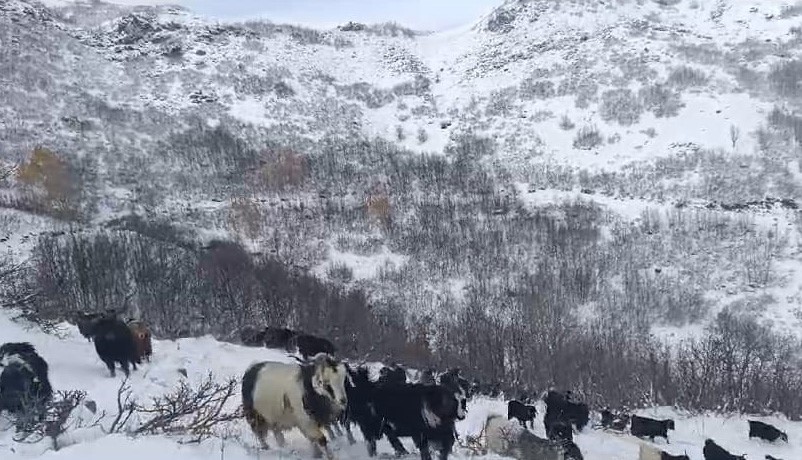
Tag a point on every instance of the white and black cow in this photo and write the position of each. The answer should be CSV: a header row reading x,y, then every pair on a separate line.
x,y
309,396
25,388
426,413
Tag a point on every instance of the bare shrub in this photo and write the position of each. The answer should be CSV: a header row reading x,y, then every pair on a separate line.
x,y
660,100
588,137
187,411
620,105
786,78
566,124
49,173
281,169
246,217
58,420
340,273
686,77
422,136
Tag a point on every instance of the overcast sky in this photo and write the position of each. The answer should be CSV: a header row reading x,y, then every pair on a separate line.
x,y
418,14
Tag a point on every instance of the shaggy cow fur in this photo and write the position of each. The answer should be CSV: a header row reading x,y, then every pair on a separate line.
x,y
114,343
522,412
758,429
426,413
279,337
713,451
310,396
644,427
142,340
309,345
559,409
25,388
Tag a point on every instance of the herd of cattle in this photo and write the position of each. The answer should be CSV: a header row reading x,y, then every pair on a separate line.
x,y
320,395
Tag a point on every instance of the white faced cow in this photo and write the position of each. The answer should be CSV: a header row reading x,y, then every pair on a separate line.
x,y
309,396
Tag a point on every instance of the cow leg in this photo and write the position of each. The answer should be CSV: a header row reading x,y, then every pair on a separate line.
x,y
124,366
396,443
110,365
371,447
423,446
522,423
259,427
279,435
329,431
349,434
314,433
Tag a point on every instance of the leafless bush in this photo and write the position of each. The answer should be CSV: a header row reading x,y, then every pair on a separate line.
x,y
195,412
340,273
57,420
786,78
566,124
588,137
620,105
686,77
422,136
660,100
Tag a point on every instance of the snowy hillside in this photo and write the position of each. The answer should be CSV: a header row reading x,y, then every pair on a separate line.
x,y
612,187
74,365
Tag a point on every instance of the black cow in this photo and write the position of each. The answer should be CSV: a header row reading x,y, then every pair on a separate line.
x,y
453,379
309,345
114,343
559,409
252,336
25,388
769,457
522,412
713,451
396,374
765,431
667,456
561,431
426,413
278,337
86,322
644,427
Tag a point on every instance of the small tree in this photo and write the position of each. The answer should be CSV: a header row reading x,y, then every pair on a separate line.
x,y
735,134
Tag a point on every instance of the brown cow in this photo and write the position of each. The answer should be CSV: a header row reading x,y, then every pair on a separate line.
x,y
144,347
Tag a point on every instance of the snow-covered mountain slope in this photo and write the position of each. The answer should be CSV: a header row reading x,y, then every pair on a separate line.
x,y
74,365
653,131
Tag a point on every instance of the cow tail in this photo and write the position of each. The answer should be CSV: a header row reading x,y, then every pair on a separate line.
x,y
255,420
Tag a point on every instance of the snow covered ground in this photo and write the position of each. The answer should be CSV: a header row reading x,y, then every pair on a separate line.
x,y
74,365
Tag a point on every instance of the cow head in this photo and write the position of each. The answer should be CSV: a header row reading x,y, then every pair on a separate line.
x,y
669,424
328,379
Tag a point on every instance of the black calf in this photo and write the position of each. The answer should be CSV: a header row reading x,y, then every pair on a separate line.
x,y
522,412
765,431
713,451
395,374
644,427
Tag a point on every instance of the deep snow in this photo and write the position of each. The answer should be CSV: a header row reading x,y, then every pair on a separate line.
x,y
74,365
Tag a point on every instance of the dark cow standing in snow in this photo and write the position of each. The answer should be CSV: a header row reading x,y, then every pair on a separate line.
x,y
309,396
426,413
765,431
114,343
644,427
25,388
278,337
769,457
309,345
252,336
522,412
713,451
560,410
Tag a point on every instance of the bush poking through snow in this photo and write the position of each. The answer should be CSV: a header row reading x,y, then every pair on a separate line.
x,y
566,124
587,137
58,420
620,105
187,411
